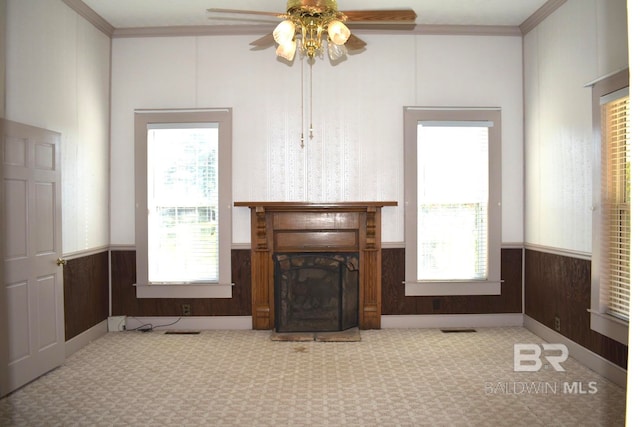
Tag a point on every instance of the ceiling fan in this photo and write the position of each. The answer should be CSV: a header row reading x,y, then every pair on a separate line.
x,y
307,23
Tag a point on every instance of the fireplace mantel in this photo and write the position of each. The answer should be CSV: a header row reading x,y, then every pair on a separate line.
x,y
315,227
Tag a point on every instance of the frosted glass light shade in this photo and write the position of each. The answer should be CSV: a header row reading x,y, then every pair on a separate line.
x,y
336,51
284,32
338,32
287,50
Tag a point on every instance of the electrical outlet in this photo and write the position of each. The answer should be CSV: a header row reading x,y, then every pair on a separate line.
x,y
117,323
186,309
556,323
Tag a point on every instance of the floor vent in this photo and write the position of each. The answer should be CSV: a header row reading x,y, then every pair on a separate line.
x,y
182,332
458,330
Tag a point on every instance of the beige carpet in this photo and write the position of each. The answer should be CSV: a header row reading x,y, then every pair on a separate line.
x,y
393,377
348,335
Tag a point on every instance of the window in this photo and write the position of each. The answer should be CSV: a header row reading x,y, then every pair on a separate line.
x,y
610,285
183,198
452,196
182,201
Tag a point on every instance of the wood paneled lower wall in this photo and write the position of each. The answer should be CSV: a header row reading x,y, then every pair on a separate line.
x,y
557,285
395,302
86,293
124,301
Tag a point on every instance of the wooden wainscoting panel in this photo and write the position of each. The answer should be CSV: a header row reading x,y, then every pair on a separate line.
x,y
557,285
86,293
394,300
124,301
123,277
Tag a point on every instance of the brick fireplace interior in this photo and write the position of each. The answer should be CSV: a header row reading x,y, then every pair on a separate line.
x,y
316,292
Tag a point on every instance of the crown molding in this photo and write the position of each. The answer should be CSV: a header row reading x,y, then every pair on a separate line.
x,y
468,30
193,30
91,16
540,15
225,30
241,30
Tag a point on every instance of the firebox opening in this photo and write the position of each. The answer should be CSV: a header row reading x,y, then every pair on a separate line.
x,y
316,292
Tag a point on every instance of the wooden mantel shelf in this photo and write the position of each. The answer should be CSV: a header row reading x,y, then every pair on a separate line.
x,y
324,206
278,227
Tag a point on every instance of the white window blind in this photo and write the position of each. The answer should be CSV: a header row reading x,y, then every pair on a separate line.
x,y
453,200
183,203
616,213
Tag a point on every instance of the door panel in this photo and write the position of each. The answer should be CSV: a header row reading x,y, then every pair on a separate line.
x,y
16,220
15,151
32,291
47,313
18,307
45,219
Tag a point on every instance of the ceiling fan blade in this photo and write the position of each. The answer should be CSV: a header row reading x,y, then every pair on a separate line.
x,y
246,12
263,41
391,15
355,43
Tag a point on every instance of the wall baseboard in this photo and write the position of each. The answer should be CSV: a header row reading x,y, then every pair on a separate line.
x,y
591,360
189,323
388,321
81,340
452,320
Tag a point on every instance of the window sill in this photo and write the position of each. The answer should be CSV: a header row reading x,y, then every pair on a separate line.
x,y
451,288
610,326
184,291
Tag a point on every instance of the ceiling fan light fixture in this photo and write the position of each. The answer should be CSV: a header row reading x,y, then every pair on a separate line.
x,y
284,32
287,50
338,32
336,51
313,24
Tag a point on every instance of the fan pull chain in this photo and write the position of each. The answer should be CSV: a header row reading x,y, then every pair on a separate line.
x,y
301,104
311,98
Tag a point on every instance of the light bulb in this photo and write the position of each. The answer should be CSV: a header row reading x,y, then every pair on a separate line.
x,y
284,32
338,32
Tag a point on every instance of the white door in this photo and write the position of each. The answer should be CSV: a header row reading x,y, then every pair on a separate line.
x,y
31,307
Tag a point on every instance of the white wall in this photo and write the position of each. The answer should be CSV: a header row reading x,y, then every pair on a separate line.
x,y
357,149
579,42
58,78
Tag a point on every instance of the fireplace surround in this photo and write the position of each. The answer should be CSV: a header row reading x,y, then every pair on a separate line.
x,y
301,227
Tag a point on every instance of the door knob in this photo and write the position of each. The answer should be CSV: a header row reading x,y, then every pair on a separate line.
x,y
61,261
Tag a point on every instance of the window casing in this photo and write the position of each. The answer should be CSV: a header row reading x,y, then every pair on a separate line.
x,y
452,201
183,203
610,267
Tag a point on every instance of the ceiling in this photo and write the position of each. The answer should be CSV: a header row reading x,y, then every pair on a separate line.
x,y
170,13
